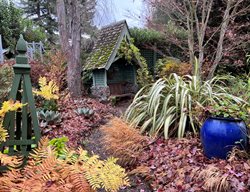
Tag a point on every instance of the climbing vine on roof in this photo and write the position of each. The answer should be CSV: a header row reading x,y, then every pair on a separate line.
x,y
131,53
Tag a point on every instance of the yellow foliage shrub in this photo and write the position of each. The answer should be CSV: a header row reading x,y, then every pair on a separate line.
x,y
7,106
48,90
10,106
123,141
168,65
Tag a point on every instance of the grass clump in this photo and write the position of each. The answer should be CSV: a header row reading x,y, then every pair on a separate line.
x,y
123,141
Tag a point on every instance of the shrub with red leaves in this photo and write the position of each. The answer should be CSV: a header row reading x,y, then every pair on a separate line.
x,y
38,69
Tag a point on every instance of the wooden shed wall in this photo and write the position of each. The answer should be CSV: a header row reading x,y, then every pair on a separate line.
x,y
151,58
120,73
99,78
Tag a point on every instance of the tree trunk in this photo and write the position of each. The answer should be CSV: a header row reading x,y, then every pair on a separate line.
x,y
70,29
62,25
219,50
74,64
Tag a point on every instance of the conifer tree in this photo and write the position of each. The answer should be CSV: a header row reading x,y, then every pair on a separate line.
x,y
43,13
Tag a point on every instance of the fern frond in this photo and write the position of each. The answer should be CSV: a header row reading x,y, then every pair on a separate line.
x,y
112,175
42,151
10,180
79,182
45,171
75,171
10,161
105,174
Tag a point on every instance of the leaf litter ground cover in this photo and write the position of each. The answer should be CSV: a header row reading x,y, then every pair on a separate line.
x,y
179,165
77,127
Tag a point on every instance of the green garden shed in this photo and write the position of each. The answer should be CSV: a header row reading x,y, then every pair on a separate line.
x,y
112,75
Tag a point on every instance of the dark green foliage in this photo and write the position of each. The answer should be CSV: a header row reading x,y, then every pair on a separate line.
x,y
146,36
159,41
240,86
42,14
6,77
33,32
229,110
50,105
10,23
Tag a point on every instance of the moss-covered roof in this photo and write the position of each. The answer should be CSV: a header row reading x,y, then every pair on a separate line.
x,y
107,42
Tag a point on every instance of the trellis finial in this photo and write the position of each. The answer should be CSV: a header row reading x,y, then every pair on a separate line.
x,y
21,46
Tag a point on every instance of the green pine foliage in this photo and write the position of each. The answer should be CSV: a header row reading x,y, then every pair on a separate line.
x,y
10,23
43,14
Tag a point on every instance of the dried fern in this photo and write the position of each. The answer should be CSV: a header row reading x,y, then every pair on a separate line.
x,y
75,171
79,182
10,161
142,170
42,151
123,142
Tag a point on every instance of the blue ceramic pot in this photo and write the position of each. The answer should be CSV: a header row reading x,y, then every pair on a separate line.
x,y
219,136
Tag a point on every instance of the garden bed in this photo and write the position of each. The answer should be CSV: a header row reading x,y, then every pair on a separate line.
x,y
77,127
179,165
174,164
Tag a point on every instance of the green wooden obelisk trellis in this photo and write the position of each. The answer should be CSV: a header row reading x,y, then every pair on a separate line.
x,y
22,126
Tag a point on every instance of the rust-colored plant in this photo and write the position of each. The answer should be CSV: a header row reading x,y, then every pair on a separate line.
x,y
56,61
123,141
53,68
215,180
38,69
69,171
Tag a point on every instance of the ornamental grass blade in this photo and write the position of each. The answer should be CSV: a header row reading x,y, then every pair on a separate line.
x,y
182,125
145,125
167,124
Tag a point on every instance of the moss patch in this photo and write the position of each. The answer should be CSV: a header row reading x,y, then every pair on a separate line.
x,y
100,56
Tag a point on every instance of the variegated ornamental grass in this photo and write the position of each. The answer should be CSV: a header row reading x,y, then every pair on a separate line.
x,y
170,105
